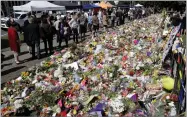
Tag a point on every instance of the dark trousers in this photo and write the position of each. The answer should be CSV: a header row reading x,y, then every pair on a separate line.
x,y
58,35
90,27
66,37
60,40
37,45
48,40
113,23
75,34
50,43
45,45
82,32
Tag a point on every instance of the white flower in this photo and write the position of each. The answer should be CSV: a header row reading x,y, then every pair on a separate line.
x,y
58,72
117,105
18,103
34,81
62,79
94,78
111,74
19,78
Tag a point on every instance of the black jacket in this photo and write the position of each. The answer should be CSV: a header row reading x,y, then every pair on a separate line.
x,y
32,33
45,30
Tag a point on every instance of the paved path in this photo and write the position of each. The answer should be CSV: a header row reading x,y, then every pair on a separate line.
x,y
3,32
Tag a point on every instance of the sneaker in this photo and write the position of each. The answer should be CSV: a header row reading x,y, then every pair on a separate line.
x,y
17,62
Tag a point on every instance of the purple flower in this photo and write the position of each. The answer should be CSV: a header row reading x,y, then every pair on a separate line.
x,y
149,54
99,107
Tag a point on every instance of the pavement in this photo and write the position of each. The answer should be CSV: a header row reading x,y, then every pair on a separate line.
x,y
3,32
11,70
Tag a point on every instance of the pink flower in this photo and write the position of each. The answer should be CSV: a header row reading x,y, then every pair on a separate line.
x,y
55,53
64,50
135,42
100,66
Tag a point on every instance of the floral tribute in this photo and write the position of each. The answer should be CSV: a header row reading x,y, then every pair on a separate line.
x,y
116,74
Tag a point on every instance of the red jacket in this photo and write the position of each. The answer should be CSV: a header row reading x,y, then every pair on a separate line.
x,y
13,39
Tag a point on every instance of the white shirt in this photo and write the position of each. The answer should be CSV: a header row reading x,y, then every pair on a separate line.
x,y
143,12
73,23
86,15
56,24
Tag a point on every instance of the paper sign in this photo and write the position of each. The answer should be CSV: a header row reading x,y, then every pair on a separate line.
x,y
98,48
72,65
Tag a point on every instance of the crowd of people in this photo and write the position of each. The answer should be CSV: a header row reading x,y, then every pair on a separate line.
x,y
76,25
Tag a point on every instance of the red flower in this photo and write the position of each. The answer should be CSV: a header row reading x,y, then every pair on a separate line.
x,y
9,83
124,58
68,94
63,114
131,73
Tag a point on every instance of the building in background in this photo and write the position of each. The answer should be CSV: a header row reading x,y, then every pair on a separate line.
x,y
7,6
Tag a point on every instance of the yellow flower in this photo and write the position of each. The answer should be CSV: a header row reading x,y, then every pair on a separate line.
x,y
98,76
77,87
154,101
61,92
74,112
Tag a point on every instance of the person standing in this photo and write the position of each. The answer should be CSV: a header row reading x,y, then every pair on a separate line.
x,y
61,31
123,16
143,12
113,17
100,17
13,39
51,31
64,31
95,22
56,24
34,36
90,22
16,25
43,34
105,21
26,23
82,22
74,26
118,17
